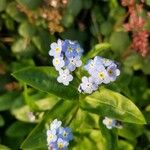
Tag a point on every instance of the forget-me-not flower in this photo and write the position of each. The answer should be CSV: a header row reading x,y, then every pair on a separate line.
x,y
64,77
56,48
58,137
73,62
58,62
87,85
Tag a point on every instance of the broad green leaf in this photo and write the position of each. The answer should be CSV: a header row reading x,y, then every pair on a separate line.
x,y
63,110
19,129
6,100
114,105
109,137
42,40
23,48
124,145
45,79
23,113
96,50
2,122
27,30
119,41
148,2
106,28
13,11
3,147
131,131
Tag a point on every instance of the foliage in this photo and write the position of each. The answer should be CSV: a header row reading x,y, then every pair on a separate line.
x,y
30,96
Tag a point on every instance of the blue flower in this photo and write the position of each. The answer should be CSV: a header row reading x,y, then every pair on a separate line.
x,y
51,136
101,76
64,77
58,63
69,48
93,65
79,49
109,123
56,48
58,137
55,124
73,62
113,72
87,85
66,133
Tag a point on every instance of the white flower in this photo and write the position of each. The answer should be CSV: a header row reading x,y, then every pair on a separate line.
x,y
55,124
110,123
87,85
64,77
56,48
58,62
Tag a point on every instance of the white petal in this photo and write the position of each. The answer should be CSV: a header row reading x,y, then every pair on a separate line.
x,y
53,45
117,72
84,79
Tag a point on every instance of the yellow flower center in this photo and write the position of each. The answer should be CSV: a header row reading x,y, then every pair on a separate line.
x,y
101,75
57,49
57,61
60,145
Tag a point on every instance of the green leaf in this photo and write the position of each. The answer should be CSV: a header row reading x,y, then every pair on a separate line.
x,y
62,111
23,113
23,48
114,105
124,145
3,147
131,131
42,40
31,4
19,129
119,41
13,11
96,50
6,100
27,30
45,79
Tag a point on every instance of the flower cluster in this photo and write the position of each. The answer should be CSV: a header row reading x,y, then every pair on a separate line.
x,y
136,25
112,123
58,137
101,70
67,56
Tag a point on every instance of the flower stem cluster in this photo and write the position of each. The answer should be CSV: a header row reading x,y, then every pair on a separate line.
x,y
67,56
58,137
101,70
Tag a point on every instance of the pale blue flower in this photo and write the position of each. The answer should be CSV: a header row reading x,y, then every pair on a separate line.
x,y
66,133
69,48
101,76
87,85
109,123
56,48
73,62
51,136
58,63
113,72
55,124
79,49
93,65
61,144
64,77
58,137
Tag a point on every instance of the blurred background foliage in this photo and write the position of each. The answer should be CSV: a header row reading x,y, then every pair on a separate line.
x,y
27,27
